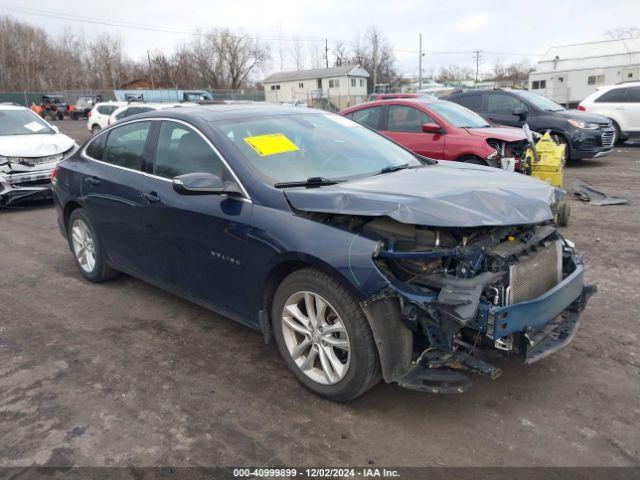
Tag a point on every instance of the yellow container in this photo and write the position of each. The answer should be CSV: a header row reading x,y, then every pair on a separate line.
x,y
550,166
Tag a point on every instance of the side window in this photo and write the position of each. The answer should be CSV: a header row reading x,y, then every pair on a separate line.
x,y
181,150
472,102
125,145
406,119
633,95
368,116
617,95
501,103
95,148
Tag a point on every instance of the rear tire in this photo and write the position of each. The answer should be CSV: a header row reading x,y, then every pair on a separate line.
x,y
312,353
617,138
86,248
95,129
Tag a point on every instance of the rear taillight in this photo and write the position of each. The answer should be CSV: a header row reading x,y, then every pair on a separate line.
x,y
581,108
109,121
89,114
54,175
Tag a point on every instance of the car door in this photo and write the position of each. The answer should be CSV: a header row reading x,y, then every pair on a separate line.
x,y
499,109
632,109
196,243
404,125
112,188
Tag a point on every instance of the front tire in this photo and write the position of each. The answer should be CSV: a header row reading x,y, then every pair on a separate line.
x,y
323,336
86,248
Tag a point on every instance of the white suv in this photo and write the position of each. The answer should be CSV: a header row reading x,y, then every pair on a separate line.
x,y
620,103
99,115
129,109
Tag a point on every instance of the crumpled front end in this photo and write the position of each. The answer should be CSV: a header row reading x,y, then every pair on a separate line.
x,y
27,178
457,296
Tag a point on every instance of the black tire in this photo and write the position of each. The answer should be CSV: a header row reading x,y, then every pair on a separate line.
x,y
101,271
564,211
617,139
364,368
95,129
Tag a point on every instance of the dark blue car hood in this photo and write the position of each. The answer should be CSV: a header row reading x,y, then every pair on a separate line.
x,y
448,194
583,116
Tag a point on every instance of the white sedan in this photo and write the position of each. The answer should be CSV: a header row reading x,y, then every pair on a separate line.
x,y
30,148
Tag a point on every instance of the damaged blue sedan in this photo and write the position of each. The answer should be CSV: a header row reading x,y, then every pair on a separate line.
x,y
362,260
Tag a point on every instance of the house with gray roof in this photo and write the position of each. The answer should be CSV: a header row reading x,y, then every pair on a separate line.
x,y
338,86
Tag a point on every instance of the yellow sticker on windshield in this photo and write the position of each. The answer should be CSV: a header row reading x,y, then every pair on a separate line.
x,y
271,144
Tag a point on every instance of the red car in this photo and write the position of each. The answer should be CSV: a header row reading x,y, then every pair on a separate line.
x,y
441,130
388,96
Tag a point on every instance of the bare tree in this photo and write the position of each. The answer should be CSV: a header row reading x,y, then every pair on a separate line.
x,y
298,53
340,53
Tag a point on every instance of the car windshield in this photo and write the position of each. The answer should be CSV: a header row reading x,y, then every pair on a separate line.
x,y
296,147
541,102
22,122
458,116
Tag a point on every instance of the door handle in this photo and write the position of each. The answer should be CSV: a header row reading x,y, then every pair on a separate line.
x,y
92,180
151,197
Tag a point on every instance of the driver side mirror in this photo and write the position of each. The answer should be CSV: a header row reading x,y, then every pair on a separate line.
x,y
521,113
432,128
204,184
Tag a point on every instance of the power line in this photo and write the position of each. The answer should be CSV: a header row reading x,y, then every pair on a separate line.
x,y
147,27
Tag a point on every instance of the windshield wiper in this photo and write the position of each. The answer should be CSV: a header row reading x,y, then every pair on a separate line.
x,y
309,182
393,168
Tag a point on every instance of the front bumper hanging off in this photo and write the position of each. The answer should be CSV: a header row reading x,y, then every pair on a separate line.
x,y
543,324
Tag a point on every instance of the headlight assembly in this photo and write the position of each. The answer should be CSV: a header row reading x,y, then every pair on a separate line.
x,y
584,125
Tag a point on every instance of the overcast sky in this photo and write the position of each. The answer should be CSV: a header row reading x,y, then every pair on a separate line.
x,y
501,28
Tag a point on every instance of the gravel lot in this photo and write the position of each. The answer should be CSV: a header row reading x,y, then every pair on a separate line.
x,y
123,373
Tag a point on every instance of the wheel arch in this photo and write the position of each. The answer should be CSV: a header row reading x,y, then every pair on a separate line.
x,y
291,263
69,207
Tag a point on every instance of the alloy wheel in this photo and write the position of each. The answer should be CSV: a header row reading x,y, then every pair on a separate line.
x,y
316,337
83,245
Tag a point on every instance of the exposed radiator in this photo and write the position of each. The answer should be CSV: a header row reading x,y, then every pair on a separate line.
x,y
535,274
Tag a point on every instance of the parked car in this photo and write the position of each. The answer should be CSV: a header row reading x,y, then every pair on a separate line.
x,y
621,104
54,106
29,150
441,130
84,105
363,260
98,117
130,109
585,135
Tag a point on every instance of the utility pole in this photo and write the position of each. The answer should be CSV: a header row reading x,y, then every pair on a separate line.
x,y
420,64
153,86
477,55
375,66
326,52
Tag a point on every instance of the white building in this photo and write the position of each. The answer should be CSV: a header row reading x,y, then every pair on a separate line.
x,y
569,73
341,86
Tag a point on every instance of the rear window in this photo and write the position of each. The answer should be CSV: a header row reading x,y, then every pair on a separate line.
x,y
106,109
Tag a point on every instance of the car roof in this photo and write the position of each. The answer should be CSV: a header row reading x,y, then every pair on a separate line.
x,y
214,112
